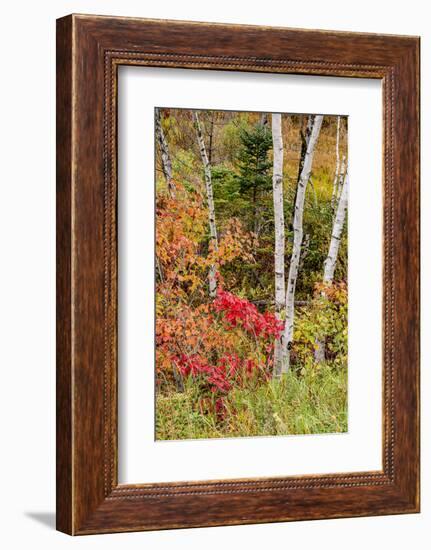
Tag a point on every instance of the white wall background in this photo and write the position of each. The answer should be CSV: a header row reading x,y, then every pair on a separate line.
x,y
27,289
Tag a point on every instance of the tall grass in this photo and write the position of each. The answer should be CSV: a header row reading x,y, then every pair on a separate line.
x,y
308,403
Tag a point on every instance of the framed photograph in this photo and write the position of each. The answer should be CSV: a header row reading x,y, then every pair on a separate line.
x,y
237,274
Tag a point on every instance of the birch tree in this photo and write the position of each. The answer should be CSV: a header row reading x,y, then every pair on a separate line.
x,y
210,203
337,166
341,178
330,263
305,138
337,229
277,185
297,240
164,153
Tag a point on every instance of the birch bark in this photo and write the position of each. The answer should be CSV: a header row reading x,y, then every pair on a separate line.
x,y
337,229
330,263
341,178
297,240
164,152
212,279
305,138
277,186
337,166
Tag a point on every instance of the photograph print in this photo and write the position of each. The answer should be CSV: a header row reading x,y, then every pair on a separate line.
x,y
251,263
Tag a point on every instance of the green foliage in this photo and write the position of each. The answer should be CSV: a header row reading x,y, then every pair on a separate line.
x,y
325,320
226,189
253,161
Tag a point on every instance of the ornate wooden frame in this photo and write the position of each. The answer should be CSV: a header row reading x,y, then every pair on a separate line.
x,y
89,51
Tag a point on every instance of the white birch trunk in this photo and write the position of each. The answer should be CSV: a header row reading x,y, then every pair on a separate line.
x,y
305,138
337,229
277,186
297,240
164,152
341,177
330,263
337,166
212,279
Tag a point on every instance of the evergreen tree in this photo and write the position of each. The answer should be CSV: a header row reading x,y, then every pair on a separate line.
x,y
254,166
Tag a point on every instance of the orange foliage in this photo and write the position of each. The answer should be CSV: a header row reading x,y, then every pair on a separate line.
x,y
186,322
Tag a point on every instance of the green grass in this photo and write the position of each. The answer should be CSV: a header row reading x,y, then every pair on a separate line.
x,y
312,403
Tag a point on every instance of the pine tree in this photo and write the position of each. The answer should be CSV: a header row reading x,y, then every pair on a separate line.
x,y
255,167
254,164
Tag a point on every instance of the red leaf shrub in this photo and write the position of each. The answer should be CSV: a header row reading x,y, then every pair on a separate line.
x,y
217,347
239,311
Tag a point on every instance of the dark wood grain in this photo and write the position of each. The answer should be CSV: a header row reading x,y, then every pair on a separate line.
x,y
90,49
64,288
